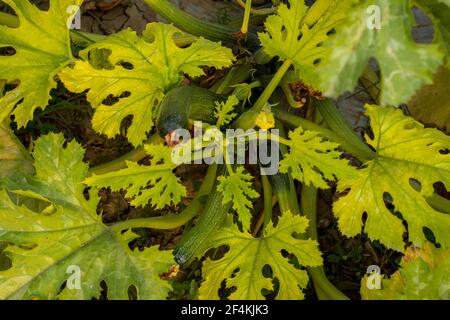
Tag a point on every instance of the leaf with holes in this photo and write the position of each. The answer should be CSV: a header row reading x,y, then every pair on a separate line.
x,y
143,69
405,65
410,159
155,183
288,36
68,238
423,275
41,46
242,266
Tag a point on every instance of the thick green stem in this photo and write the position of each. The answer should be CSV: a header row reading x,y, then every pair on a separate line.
x,y
237,74
247,119
295,121
268,201
266,217
309,208
340,127
325,289
246,20
191,24
174,221
320,280
288,201
273,84
120,162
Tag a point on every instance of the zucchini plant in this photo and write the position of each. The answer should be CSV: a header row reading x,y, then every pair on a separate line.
x,y
265,74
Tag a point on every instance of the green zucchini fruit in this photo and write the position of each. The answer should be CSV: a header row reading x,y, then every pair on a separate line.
x,y
194,241
183,104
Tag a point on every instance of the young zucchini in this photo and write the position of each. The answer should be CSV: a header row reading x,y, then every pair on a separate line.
x,y
194,241
183,104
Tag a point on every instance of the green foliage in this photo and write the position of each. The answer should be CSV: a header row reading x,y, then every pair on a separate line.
x,y
37,59
250,255
155,183
49,225
439,11
405,65
287,36
407,154
237,189
224,111
143,70
423,276
312,160
13,156
42,246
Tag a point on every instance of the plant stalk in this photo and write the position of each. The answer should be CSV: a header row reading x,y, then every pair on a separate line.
x,y
190,24
246,120
340,127
325,289
246,20
295,121
120,162
273,84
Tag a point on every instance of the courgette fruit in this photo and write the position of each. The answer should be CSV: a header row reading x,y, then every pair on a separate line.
x,y
183,104
194,241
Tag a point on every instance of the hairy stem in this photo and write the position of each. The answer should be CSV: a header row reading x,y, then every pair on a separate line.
x,y
273,84
245,121
266,217
246,20
191,24
120,162
325,289
295,121
340,127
